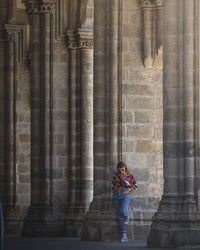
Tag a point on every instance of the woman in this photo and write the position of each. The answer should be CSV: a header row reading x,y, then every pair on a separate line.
x,y
122,184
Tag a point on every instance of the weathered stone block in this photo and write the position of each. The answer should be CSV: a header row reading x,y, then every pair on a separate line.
x,y
140,132
128,146
141,103
138,89
148,147
127,117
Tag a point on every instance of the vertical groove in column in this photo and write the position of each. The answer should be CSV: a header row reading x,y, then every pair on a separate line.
x,y
112,48
188,97
14,125
35,111
119,77
73,125
196,102
9,154
170,61
180,102
46,108
51,150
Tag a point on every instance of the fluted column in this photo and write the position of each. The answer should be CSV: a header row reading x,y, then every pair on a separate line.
x,y
100,222
176,224
73,121
80,44
86,118
10,121
40,219
13,52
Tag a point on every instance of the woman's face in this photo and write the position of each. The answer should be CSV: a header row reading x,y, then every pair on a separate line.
x,y
122,170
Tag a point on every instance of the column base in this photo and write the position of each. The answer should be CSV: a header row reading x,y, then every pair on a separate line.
x,y
43,221
101,224
176,224
14,219
173,236
75,219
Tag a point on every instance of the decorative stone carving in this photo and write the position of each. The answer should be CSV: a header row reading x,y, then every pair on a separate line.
x,y
150,3
56,7
86,43
18,34
77,42
145,3
157,3
38,8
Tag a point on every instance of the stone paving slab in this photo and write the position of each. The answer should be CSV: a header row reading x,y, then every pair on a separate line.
x,y
23,243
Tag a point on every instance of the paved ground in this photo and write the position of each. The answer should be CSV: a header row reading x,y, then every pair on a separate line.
x,y
19,243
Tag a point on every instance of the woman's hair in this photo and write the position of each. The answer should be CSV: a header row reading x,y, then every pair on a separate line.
x,y
121,164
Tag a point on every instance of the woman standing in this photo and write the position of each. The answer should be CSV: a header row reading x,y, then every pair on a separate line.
x,y
122,184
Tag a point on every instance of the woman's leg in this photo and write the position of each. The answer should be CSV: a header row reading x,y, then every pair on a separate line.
x,y
117,205
124,205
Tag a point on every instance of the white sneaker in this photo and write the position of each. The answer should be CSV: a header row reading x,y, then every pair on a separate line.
x,y
124,238
126,220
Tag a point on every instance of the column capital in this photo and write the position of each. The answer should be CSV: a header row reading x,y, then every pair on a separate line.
x,y
85,43
145,4
38,8
157,3
8,33
80,40
150,3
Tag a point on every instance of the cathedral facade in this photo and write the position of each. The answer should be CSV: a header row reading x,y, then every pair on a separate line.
x,y
88,83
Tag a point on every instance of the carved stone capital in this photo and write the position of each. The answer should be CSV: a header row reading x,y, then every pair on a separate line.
x,y
7,33
18,34
157,3
38,8
86,43
73,44
10,36
150,3
75,41
145,4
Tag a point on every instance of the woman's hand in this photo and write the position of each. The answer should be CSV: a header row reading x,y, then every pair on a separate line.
x,y
127,191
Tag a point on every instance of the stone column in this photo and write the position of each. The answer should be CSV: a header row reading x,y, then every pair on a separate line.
x,y
176,224
10,120
101,222
40,220
86,118
12,37
80,44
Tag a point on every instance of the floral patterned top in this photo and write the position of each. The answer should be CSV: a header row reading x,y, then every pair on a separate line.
x,y
119,184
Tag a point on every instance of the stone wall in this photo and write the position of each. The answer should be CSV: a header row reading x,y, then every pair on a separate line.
x,y
52,172
142,118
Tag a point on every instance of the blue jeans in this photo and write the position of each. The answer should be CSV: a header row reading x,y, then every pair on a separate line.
x,y
121,202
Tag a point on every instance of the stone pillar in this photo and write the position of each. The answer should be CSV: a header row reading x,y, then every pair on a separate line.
x,y
80,46
10,121
40,220
86,118
12,38
101,222
176,224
